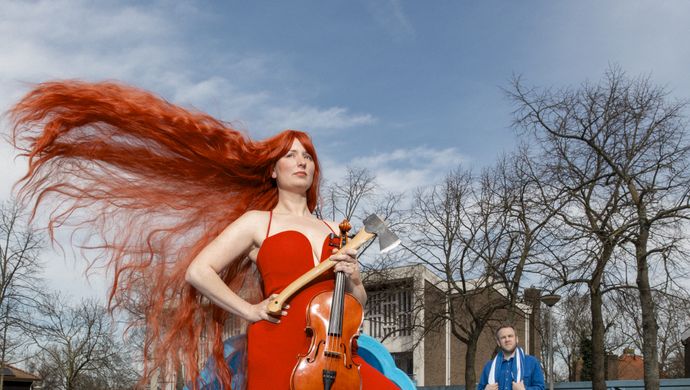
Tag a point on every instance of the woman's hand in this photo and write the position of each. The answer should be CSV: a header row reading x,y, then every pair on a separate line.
x,y
347,262
260,311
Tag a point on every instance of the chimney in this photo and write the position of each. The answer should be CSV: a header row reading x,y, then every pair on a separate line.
x,y
611,367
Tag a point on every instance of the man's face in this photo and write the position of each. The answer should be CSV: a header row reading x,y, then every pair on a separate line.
x,y
507,340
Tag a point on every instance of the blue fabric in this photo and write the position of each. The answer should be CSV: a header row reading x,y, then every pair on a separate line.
x,y
374,353
234,351
532,374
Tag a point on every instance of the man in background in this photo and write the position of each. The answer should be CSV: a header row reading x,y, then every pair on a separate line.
x,y
511,369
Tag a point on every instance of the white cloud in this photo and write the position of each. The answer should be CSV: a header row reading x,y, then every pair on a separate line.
x,y
10,170
142,45
260,111
309,117
404,170
63,269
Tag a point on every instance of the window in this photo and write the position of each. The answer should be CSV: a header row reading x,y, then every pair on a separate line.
x,y
403,360
389,310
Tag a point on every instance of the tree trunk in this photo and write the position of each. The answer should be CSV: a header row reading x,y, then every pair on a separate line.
x,y
470,357
4,345
598,353
649,325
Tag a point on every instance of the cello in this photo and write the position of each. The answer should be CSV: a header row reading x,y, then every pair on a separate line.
x,y
328,364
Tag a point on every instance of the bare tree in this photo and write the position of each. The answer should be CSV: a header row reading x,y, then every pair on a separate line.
x,y
478,234
355,196
574,329
343,198
438,236
633,136
673,317
529,207
19,281
78,348
571,326
584,242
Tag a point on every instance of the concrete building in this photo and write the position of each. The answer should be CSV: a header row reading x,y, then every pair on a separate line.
x,y
402,298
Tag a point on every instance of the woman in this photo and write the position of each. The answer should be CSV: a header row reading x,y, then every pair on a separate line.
x,y
175,195
284,242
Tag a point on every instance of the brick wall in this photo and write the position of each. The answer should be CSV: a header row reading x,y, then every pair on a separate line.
x,y
435,340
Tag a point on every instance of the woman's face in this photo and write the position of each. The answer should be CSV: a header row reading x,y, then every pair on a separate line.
x,y
295,170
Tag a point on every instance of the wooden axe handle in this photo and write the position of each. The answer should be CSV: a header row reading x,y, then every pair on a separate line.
x,y
276,305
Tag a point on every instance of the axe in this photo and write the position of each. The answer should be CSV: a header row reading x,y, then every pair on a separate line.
x,y
373,227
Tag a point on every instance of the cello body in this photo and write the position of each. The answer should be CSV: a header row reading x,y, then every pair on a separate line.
x,y
329,352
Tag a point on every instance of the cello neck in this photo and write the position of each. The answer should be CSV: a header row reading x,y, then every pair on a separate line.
x,y
335,323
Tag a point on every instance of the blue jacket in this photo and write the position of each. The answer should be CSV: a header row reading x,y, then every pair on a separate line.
x,y
532,375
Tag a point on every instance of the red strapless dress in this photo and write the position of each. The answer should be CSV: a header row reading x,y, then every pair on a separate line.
x,y
272,349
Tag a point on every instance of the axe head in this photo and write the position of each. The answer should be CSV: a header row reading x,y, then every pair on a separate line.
x,y
387,239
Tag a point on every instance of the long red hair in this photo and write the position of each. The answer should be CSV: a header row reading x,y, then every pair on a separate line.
x,y
152,184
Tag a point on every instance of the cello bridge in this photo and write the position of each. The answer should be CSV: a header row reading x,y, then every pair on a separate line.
x,y
333,354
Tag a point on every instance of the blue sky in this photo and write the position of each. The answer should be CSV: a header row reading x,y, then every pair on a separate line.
x,y
408,89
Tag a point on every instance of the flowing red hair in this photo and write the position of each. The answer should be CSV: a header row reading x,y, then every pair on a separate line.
x,y
152,184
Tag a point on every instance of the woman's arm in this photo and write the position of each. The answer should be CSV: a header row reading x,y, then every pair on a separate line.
x,y
238,239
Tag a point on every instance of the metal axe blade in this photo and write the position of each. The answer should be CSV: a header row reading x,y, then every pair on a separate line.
x,y
387,239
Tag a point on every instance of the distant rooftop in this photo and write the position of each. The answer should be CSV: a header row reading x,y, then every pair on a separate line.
x,y
16,374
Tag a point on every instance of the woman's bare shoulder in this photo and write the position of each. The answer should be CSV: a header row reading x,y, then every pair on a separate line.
x,y
250,223
254,216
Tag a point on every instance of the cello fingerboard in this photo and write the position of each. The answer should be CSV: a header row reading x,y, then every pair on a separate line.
x,y
335,323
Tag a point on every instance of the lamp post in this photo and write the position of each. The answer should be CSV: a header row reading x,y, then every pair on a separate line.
x,y
550,300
